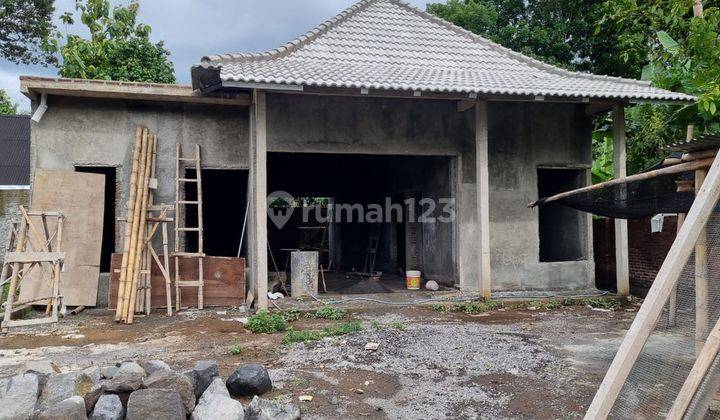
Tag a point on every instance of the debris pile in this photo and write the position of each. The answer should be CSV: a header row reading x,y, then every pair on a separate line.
x,y
138,391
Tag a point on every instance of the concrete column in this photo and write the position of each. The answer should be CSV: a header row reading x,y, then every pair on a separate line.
x,y
258,202
621,231
483,197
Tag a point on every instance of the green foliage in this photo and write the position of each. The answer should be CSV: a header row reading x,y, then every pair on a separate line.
x,y
335,330
236,349
24,25
119,48
330,312
7,107
393,325
289,315
472,307
264,322
603,303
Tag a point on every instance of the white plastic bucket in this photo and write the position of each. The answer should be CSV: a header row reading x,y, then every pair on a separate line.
x,y
413,279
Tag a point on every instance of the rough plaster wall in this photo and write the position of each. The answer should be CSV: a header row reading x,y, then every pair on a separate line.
x,y
95,132
10,211
522,137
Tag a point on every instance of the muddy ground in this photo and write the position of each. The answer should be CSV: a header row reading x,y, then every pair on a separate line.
x,y
429,364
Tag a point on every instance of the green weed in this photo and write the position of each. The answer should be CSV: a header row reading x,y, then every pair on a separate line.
x,y
265,322
236,349
330,312
335,330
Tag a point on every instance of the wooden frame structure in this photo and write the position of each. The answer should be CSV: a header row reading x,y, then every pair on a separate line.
x,y
29,247
689,238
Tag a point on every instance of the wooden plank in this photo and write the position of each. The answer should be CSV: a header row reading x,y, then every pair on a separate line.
x,y
622,259
701,277
29,257
483,197
80,198
224,281
660,290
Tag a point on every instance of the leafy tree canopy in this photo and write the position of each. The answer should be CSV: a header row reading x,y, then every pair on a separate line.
x,y
24,24
119,48
7,107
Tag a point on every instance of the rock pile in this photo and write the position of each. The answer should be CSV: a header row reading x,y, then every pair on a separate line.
x,y
140,391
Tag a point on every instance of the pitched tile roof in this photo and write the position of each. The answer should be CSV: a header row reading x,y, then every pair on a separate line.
x,y
15,150
387,44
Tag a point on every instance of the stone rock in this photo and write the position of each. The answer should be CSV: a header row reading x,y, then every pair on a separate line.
x,y
129,377
41,366
20,397
94,373
107,372
72,408
204,371
217,406
155,404
62,386
262,409
167,379
151,366
216,387
91,398
432,285
108,407
249,380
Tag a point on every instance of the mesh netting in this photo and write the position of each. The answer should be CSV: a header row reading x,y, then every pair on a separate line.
x,y
669,354
635,200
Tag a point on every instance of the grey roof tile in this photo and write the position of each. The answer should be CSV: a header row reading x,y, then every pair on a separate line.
x,y
387,44
14,150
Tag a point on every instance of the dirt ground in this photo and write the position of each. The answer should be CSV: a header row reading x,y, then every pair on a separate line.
x,y
429,364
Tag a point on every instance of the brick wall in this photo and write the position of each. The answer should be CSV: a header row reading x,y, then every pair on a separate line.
x,y
646,252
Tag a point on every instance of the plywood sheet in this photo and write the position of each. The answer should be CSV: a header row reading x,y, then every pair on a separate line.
x,y
224,282
80,197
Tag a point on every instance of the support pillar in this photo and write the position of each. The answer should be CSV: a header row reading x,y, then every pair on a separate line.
x,y
258,209
622,263
701,276
483,197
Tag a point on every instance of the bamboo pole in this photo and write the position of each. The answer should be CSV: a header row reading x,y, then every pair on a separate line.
x,y
132,256
166,273
151,200
15,273
682,167
701,276
143,217
128,223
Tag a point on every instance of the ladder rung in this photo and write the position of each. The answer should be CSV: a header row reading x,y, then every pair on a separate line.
x,y
187,180
189,283
188,202
188,254
187,159
189,229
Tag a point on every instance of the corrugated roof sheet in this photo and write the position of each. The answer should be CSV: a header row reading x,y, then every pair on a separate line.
x,y
706,142
14,150
387,44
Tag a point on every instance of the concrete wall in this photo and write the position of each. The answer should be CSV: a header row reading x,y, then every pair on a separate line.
x,y
96,132
10,200
523,137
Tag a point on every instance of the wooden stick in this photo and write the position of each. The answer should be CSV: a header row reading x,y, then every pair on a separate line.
x,y
151,199
143,216
14,276
132,257
166,271
660,290
701,276
128,225
682,167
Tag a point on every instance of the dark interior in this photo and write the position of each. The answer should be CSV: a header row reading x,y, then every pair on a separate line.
x,y
108,234
561,237
224,205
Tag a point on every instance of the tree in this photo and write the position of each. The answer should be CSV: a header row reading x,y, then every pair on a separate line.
x,y
24,24
567,33
119,48
7,107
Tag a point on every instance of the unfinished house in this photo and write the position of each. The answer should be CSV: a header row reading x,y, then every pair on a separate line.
x,y
381,104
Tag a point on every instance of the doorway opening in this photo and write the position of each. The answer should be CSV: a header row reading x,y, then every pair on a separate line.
x,y
110,200
224,199
560,228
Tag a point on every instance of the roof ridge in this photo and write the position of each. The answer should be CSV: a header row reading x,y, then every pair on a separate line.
x,y
296,43
512,53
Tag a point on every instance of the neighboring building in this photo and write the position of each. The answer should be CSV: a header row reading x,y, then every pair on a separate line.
x,y
381,101
14,171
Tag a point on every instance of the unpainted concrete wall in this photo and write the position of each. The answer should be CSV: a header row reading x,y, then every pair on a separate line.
x,y
97,132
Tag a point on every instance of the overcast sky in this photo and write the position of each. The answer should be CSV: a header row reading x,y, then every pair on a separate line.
x,y
194,28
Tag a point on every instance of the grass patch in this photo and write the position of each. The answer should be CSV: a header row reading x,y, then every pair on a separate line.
x,y
474,307
289,315
236,349
603,303
337,329
265,322
330,312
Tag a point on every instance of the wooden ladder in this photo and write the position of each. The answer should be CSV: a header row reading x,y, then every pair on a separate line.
x,y
179,202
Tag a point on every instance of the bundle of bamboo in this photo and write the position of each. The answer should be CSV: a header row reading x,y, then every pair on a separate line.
x,y
135,267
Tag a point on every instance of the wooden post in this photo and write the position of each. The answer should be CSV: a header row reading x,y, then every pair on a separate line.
x,y
166,263
621,232
258,166
660,290
672,303
483,197
20,247
701,277
697,8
